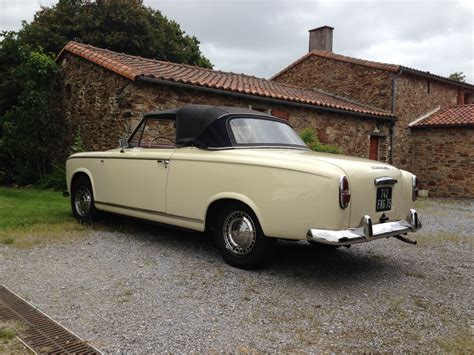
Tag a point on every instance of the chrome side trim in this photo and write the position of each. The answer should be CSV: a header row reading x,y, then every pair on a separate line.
x,y
156,213
105,157
366,231
385,180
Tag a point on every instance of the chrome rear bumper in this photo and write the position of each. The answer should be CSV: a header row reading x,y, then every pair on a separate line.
x,y
366,232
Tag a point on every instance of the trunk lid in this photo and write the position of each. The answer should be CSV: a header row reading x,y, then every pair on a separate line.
x,y
362,174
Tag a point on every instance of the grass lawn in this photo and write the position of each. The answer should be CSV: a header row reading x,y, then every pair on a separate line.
x,y
30,217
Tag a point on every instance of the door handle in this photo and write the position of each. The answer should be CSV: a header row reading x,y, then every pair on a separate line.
x,y
165,162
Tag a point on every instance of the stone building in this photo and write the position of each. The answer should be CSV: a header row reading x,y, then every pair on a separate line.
x,y
405,92
444,145
105,94
366,108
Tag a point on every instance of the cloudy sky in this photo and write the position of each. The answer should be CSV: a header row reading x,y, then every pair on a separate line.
x,y
260,37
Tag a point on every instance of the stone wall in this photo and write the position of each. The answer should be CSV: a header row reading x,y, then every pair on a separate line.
x,y
413,100
444,160
92,104
107,107
365,85
374,87
348,132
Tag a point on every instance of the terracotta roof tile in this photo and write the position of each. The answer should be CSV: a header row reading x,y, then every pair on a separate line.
x,y
394,68
454,116
134,67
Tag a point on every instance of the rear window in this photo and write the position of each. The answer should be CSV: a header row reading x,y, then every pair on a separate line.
x,y
253,131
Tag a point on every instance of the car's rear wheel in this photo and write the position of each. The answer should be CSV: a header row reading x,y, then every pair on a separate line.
x,y
240,238
82,200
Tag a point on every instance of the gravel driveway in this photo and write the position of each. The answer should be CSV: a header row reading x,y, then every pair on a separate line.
x,y
163,290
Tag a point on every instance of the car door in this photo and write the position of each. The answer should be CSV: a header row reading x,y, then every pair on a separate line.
x,y
136,177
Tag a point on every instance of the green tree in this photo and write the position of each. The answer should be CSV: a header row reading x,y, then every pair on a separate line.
x,y
122,26
27,128
458,76
11,55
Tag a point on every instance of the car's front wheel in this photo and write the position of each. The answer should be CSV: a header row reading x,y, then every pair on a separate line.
x,y
240,238
82,200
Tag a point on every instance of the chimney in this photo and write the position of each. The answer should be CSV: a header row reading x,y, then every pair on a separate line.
x,y
321,38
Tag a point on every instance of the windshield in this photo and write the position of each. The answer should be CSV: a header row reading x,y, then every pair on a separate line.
x,y
257,131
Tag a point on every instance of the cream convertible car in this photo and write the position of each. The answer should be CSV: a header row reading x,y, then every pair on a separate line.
x,y
248,177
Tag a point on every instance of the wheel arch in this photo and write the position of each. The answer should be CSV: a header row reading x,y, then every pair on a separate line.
x,y
77,174
217,201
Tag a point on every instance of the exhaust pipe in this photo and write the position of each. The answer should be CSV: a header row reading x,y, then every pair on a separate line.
x,y
406,240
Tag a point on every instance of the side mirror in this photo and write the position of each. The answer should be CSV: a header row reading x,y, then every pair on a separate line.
x,y
123,143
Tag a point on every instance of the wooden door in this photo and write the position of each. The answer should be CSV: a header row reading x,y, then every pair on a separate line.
x,y
374,148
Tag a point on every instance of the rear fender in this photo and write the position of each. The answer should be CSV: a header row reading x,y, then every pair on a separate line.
x,y
238,197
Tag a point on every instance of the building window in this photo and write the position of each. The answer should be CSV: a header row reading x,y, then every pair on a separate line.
x,y
428,86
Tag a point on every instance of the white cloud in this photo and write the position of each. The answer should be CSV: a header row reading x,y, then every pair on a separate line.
x,y
12,12
261,37
427,35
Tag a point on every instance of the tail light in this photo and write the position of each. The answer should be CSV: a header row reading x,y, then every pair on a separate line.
x,y
414,190
344,192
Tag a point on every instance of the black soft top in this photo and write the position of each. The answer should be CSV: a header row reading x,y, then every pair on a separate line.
x,y
205,126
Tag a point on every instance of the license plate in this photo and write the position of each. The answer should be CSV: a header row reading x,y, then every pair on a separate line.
x,y
384,199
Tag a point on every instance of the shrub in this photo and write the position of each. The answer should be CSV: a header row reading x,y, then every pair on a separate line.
x,y
6,333
309,137
55,180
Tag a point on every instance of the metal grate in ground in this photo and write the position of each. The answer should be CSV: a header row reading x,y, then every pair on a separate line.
x,y
41,334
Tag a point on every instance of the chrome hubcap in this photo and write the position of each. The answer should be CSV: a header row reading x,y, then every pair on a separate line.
x,y
83,201
239,233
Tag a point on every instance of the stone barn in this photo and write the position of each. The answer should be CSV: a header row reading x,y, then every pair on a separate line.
x,y
443,146
104,95
385,112
406,93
